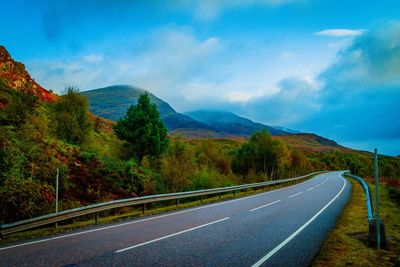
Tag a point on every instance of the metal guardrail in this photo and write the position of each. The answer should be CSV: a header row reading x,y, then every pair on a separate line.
x,y
367,193
86,210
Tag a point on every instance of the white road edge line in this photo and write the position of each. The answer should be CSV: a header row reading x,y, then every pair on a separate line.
x,y
266,205
296,194
171,235
317,185
287,240
311,188
151,218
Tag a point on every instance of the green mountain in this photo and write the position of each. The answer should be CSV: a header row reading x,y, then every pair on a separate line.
x,y
230,123
112,103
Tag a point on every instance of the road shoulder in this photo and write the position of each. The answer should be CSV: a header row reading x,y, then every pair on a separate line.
x,y
347,242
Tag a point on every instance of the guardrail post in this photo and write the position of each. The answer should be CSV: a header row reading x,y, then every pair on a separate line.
x,y
177,202
379,224
373,224
96,218
378,232
219,195
201,199
234,193
144,208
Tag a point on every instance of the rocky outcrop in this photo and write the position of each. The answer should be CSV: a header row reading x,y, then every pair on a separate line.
x,y
14,75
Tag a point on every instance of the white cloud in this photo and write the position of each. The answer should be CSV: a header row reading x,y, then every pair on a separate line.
x,y
362,92
59,74
163,61
340,32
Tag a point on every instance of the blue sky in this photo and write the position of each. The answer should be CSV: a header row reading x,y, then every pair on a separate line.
x,y
329,67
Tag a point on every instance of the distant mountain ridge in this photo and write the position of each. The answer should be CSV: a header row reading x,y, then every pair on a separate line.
x,y
112,102
230,123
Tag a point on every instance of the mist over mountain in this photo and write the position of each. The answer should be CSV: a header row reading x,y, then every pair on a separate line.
x,y
286,129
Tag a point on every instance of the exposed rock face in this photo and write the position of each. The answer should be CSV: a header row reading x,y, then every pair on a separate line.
x,y
15,75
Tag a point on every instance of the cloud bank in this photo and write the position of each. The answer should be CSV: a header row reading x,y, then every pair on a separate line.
x,y
358,97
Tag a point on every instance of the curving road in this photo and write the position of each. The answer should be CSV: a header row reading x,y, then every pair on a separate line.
x,y
284,227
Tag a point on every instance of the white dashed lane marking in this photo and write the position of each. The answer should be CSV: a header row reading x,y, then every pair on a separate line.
x,y
296,194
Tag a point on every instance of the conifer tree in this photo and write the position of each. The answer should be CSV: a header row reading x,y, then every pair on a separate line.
x,y
143,129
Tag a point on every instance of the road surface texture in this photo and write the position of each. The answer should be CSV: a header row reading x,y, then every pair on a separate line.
x,y
284,227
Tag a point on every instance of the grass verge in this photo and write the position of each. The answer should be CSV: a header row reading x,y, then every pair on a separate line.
x,y
347,244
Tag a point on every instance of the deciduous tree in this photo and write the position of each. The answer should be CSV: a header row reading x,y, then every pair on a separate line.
x,y
71,117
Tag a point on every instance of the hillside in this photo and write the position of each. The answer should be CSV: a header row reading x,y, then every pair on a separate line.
x,y
13,74
230,123
112,102
311,142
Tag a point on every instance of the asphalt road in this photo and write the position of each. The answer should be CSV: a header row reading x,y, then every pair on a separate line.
x,y
284,227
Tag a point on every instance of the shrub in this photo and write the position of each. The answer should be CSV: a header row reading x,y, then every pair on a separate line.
x,y
22,199
178,166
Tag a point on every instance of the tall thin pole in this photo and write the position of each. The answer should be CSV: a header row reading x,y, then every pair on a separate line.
x,y
58,174
378,228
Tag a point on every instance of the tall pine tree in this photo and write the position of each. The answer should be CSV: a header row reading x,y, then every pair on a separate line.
x,y
143,129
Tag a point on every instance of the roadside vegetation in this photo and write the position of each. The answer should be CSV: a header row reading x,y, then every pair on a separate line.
x,y
100,160
347,244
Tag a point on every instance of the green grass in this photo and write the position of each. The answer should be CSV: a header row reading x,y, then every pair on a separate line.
x,y
135,212
347,244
